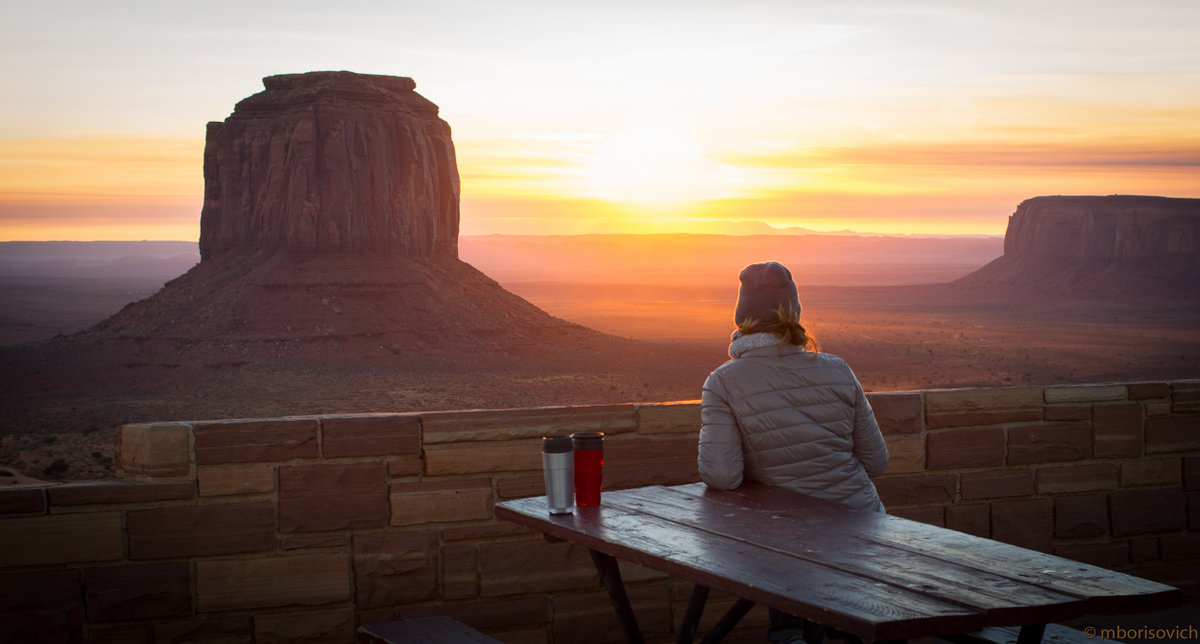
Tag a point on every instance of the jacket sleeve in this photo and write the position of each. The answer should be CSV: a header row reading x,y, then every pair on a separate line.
x,y
869,446
720,454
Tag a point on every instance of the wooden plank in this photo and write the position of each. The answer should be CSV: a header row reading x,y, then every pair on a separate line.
x,y
1002,599
871,609
1104,591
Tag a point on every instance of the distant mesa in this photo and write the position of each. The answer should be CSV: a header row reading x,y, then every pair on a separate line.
x,y
1099,247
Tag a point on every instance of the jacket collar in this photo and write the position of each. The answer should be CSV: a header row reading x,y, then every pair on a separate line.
x,y
740,342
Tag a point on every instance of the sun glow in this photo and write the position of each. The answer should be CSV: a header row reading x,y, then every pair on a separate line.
x,y
655,167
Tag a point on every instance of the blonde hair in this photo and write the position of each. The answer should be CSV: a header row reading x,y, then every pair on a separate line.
x,y
786,327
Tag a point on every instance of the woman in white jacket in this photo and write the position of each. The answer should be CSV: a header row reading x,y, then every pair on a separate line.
x,y
782,413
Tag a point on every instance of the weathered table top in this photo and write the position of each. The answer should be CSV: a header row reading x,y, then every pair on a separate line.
x,y
878,576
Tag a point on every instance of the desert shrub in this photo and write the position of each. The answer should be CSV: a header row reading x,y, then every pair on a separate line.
x,y
57,468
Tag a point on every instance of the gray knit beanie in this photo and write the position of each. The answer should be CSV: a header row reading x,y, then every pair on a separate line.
x,y
765,287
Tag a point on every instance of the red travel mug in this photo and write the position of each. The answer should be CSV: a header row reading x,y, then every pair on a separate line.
x,y
589,466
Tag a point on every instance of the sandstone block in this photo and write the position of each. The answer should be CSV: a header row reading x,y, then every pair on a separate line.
x,y
587,617
293,580
931,515
507,425
668,418
959,448
1077,478
1180,546
1087,393
942,420
201,530
493,531
42,606
1148,511
339,496
119,492
1106,555
483,458
370,435
521,486
206,629
1028,523
1157,407
230,481
1172,434
255,441
1185,397
920,489
906,455
994,484
1149,390
533,567
1068,412
61,538
22,500
460,571
898,413
971,518
960,400
1145,549
1081,516
661,460
138,592
442,501
1153,471
1117,430
153,450
1049,443
307,626
395,568
314,540
405,467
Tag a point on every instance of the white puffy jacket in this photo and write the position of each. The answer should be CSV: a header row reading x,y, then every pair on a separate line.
x,y
784,416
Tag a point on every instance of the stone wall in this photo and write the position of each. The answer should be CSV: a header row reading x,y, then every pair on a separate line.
x,y
288,528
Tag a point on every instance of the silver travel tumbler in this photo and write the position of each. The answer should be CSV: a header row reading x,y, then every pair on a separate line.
x,y
558,469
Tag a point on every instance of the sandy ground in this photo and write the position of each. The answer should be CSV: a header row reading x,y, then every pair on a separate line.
x,y
896,338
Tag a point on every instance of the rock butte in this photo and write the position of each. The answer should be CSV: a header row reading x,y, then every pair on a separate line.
x,y
331,162
331,212
1099,246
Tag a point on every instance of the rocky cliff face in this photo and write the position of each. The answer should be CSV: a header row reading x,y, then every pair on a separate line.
x,y
1118,228
331,162
1100,246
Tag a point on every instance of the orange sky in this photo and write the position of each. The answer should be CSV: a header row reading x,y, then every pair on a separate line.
x,y
924,117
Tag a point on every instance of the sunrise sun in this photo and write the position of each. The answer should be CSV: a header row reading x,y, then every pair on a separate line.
x,y
653,166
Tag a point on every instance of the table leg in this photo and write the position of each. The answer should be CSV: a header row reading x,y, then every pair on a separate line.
x,y
1031,634
691,618
728,622
610,576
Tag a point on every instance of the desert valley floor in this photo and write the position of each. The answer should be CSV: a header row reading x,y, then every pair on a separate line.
x,y
665,342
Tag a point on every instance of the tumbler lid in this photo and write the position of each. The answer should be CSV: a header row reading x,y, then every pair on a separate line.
x,y
588,440
557,444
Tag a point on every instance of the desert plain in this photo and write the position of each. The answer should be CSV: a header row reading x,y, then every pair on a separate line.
x,y
889,306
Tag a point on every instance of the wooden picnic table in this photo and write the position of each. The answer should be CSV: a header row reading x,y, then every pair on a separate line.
x,y
877,576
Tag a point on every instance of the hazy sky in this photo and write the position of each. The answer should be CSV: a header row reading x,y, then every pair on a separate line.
x,y
880,116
